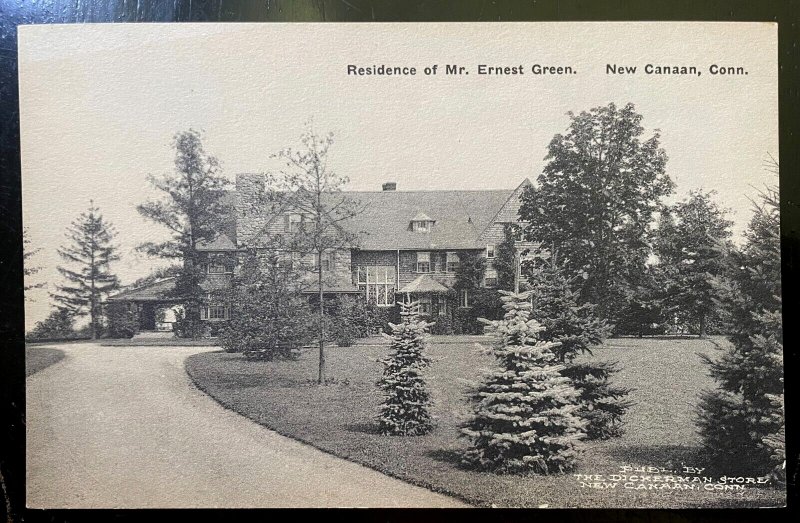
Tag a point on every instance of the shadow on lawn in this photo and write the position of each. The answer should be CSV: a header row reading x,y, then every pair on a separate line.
x,y
364,428
671,457
449,456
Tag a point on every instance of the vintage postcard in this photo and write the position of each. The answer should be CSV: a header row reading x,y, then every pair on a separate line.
x,y
402,265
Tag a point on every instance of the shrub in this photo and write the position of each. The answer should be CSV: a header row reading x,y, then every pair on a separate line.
x,y
405,408
269,317
59,324
525,412
122,322
443,326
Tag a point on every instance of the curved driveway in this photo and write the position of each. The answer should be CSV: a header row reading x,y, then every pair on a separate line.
x,y
113,427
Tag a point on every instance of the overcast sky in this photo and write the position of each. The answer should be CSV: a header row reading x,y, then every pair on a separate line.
x,y
100,104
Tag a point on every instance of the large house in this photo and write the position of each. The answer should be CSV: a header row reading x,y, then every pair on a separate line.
x,y
409,243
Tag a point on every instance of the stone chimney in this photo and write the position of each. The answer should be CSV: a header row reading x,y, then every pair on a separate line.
x,y
390,186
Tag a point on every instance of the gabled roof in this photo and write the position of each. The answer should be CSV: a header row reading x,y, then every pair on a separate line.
x,y
220,243
424,283
421,217
156,291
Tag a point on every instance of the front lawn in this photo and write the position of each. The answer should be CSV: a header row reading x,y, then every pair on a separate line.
x,y
39,358
340,419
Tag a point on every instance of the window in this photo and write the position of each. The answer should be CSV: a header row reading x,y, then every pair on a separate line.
x,y
377,283
326,261
216,268
453,262
421,226
214,311
490,278
424,304
423,262
293,222
463,298
490,251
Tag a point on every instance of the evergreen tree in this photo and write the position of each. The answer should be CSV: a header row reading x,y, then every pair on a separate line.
x,y
88,254
577,329
526,412
193,209
742,422
405,411
504,259
595,200
29,268
688,243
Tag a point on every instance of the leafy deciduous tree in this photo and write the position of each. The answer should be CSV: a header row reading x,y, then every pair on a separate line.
x,y
596,198
690,243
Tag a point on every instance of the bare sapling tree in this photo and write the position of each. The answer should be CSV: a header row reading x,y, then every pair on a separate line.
x,y
317,211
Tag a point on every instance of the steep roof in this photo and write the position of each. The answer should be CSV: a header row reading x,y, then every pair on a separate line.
x,y
460,217
156,291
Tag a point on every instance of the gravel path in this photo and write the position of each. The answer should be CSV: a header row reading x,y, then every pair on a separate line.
x,y
114,427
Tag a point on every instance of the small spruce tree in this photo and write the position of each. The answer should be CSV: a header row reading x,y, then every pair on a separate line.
x,y
577,329
525,412
405,412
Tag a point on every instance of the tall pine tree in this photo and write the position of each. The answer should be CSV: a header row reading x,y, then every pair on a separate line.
x,y
742,421
87,271
405,411
526,412
193,209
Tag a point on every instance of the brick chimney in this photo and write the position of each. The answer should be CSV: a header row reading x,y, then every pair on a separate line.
x,y
390,186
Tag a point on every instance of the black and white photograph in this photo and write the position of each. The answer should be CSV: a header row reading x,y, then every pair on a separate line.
x,y
439,265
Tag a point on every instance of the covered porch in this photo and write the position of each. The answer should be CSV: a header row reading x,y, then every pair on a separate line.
x,y
155,310
434,298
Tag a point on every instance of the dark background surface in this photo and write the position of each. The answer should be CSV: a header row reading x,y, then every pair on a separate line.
x,y
13,13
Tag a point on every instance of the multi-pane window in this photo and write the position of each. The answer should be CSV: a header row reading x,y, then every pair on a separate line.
x,y
463,298
377,283
490,278
421,226
423,262
452,262
425,304
490,251
216,268
214,311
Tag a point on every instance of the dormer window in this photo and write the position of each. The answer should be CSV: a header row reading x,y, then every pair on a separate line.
x,y
422,223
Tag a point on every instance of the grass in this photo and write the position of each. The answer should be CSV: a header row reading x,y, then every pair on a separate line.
x,y
39,358
340,419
